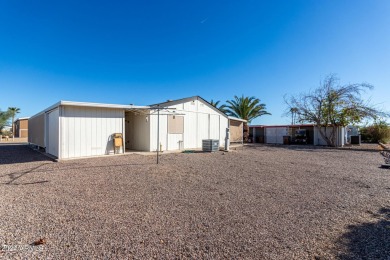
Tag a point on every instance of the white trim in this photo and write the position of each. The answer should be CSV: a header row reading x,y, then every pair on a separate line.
x,y
21,118
236,119
88,104
123,132
103,105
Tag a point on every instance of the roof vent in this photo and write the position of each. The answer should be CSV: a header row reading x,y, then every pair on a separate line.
x,y
169,100
131,104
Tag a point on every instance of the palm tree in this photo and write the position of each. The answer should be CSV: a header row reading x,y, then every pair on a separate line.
x,y
216,103
247,108
4,117
13,111
294,111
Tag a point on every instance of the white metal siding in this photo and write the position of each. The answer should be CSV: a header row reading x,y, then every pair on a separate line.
x,y
174,141
274,135
190,130
200,122
36,130
203,128
163,131
224,123
318,140
52,132
214,126
88,131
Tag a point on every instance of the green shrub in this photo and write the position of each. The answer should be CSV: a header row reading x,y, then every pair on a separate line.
x,y
377,132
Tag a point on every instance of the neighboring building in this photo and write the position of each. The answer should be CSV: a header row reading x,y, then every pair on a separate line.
x,y
76,129
351,131
299,134
21,127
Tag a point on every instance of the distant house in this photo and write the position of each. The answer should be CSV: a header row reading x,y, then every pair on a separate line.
x,y
77,129
21,127
302,134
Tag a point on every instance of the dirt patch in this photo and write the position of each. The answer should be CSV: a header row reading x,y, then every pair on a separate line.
x,y
260,202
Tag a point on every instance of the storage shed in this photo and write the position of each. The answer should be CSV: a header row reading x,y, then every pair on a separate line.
x,y
77,129
298,134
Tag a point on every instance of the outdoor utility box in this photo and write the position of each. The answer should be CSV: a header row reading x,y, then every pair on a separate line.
x,y
356,139
118,140
210,145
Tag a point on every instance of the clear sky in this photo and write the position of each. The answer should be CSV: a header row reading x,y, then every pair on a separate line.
x,y
144,52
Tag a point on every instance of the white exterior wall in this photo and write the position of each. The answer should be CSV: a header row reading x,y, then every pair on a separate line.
x,y
162,133
214,126
203,128
318,140
87,131
274,135
36,130
200,122
190,130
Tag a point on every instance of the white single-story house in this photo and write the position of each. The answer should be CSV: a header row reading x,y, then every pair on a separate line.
x,y
70,129
305,133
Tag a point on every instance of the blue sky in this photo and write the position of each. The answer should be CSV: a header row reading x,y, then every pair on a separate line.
x,y
146,52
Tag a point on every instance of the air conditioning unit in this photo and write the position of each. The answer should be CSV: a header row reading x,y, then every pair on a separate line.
x,y
210,145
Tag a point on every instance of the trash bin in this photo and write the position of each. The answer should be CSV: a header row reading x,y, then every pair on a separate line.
x,y
286,139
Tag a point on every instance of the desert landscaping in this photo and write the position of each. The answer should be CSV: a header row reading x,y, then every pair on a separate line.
x,y
263,202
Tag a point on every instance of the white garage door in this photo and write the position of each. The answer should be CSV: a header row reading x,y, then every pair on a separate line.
x,y
274,135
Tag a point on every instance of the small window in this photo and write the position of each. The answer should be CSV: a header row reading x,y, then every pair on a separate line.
x,y
175,124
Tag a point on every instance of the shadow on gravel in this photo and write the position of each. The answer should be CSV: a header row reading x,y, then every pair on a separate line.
x,y
370,240
308,147
19,153
16,175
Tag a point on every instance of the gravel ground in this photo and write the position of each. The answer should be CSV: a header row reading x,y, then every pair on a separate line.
x,y
270,202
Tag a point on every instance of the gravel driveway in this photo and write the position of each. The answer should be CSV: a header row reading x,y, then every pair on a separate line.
x,y
267,202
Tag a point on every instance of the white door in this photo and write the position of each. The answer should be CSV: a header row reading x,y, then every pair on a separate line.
x,y
52,132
